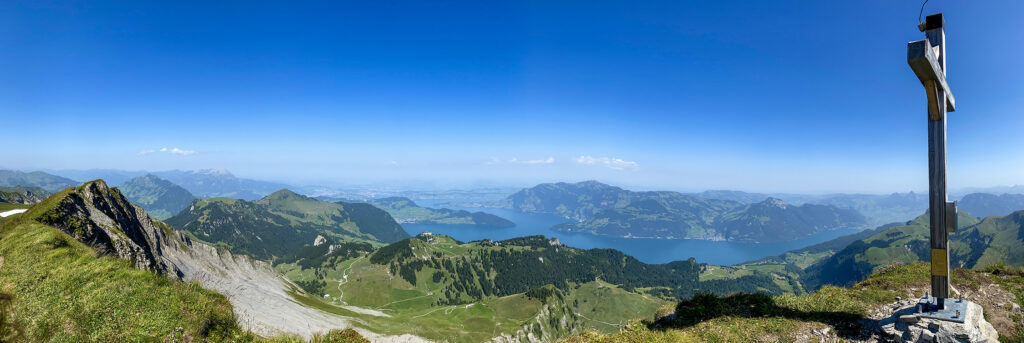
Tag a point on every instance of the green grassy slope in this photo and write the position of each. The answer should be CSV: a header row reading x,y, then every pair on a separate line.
x,y
463,302
976,244
63,292
788,269
439,288
788,318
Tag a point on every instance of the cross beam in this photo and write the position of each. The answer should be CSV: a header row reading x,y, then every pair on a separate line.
x,y
923,60
928,60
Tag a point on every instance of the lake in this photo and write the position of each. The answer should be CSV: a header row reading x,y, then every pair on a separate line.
x,y
649,250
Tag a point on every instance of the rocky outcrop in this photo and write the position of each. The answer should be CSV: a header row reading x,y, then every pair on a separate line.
x,y
555,320
104,219
23,195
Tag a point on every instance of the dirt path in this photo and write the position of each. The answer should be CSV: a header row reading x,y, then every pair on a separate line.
x,y
344,279
595,320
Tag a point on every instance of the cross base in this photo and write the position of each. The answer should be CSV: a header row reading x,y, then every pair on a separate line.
x,y
953,310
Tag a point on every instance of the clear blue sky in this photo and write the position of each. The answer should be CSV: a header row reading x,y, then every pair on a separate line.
x,y
801,96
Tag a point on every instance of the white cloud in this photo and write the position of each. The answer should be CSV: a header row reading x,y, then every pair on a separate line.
x,y
495,160
609,162
172,151
548,160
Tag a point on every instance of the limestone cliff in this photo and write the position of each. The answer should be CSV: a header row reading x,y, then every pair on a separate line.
x,y
555,320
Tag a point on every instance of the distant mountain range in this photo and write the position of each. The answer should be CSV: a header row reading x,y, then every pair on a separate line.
x,y
895,207
607,210
282,222
161,198
50,183
750,198
983,205
405,210
113,177
220,183
880,209
205,183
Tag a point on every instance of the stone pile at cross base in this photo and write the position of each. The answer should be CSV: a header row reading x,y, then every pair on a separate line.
x,y
902,325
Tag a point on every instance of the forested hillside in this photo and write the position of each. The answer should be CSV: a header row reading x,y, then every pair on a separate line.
x,y
280,224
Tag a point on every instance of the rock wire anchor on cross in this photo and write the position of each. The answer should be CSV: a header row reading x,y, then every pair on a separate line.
x,y
927,58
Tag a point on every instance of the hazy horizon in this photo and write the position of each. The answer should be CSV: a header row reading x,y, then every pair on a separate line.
x,y
433,185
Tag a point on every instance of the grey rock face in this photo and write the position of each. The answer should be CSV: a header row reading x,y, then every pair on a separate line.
x,y
23,195
105,220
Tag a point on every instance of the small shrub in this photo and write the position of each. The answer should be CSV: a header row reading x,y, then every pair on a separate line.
x,y
340,336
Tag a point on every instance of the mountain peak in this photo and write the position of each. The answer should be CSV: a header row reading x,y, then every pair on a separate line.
x,y
775,202
283,193
101,217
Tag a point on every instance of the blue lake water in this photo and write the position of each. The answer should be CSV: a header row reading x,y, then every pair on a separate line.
x,y
649,250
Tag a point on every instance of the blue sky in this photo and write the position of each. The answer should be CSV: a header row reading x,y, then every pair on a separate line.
x,y
797,96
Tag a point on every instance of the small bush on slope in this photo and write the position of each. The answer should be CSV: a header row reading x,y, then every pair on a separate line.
x,y
340,336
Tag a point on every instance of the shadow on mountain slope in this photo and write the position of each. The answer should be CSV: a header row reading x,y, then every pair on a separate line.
x,y
705,307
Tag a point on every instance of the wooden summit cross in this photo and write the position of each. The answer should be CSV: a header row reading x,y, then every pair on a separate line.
x,y
927,58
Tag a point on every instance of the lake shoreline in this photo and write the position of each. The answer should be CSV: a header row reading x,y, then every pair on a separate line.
x,y
647,250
